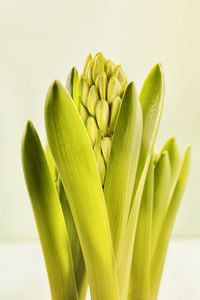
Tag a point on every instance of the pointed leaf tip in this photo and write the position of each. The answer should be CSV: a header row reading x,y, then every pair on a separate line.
x,y
158,68
155,78
29,124
56,95
131,87
54,88
29,132
171,142
188,152
29,127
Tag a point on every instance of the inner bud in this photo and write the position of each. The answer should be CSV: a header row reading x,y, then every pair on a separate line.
x,y
101,88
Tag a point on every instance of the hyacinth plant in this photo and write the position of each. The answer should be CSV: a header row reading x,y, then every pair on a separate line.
x,y
104,201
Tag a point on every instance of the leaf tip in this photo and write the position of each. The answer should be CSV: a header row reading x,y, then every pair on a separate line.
x,y
54,89
171,143
27,130
131,89
53,95
29,125
56,85
29,138
164,153
188,151
158,71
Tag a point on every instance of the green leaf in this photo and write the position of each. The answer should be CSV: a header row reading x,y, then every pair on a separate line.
x,y
51,163
49,217
78,261
127,253
77,256
76,164
140,285
122,164
175,162
162,178
72,85
167,173
165,233
151,98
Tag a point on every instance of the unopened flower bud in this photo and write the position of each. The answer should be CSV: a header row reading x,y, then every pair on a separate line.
x,y
83,112
88,72
101,83
92,129
101,166
98,66
101,55
105,148
120,75
92,100
97,146
114,89
88,59
83,90
102,116
110,66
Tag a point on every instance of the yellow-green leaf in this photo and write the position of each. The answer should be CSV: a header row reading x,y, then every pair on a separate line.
x,y
175,162
76,164
78,261
122,165
49,217
50,162
151,98
162,177
72,86
158,259
77,256
139,287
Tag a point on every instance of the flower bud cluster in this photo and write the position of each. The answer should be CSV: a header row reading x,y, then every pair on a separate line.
x,y
101,88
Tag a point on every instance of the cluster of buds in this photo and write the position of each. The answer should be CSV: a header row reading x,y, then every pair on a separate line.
x,y
101,89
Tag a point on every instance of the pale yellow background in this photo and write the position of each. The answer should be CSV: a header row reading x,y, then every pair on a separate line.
x,y
41,40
